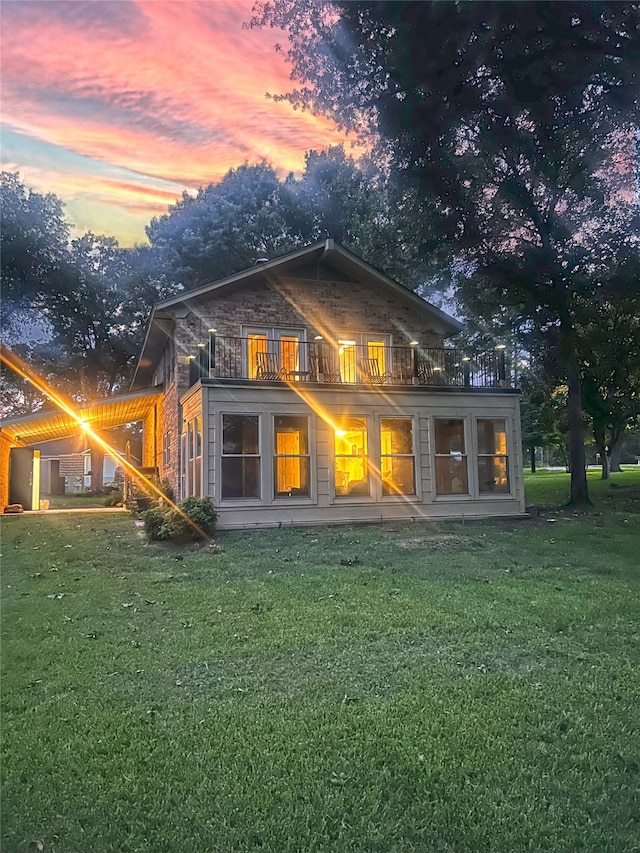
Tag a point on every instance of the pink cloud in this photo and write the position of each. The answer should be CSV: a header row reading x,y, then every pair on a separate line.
x,y
163,89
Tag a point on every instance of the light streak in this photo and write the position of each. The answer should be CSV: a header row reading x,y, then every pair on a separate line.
x,y
66,405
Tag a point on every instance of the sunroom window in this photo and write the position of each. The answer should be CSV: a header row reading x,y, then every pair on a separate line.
x,y
291,459
451,458
493,462
351,457
240,456
396,456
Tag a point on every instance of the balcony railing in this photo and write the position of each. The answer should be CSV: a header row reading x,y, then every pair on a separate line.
x,y
291,360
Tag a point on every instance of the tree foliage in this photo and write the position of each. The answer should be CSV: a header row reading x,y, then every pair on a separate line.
x,y
505,114
251,213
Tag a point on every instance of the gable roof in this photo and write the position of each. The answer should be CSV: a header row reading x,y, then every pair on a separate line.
x,y
326,251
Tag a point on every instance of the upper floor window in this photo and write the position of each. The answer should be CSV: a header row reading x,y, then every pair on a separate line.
x,y
352,348
282,345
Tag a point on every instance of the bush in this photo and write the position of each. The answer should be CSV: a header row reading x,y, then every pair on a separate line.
x,y
164,523
113,499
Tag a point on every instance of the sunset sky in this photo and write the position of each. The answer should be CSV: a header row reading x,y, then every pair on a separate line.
x,y
117,106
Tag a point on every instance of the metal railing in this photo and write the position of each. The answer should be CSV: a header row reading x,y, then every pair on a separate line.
x,y
318,361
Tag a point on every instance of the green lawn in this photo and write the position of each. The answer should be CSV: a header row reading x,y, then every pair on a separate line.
x,y
436,687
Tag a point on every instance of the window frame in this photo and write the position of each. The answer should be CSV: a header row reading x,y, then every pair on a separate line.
x,y
395,495
367,463
483,495
279,497
274,337
221,456
455,496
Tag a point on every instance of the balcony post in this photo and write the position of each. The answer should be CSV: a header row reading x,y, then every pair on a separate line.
x,y
212,351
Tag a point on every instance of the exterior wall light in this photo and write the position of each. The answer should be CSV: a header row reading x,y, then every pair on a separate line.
x,y
414,343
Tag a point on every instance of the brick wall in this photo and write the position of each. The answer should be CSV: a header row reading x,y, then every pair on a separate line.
x,y
322,307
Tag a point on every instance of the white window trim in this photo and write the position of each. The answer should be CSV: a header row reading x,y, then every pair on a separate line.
x,y
234,502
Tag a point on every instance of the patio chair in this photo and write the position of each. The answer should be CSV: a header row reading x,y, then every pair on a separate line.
x,y
321,369
370,371
268,367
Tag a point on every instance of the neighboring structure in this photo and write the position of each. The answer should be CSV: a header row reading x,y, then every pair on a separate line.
x,y
312,389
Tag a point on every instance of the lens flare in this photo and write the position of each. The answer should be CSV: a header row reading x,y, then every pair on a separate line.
x,y
66,405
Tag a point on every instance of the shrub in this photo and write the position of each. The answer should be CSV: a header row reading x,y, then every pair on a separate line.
x,y
113,499
164,523
202,512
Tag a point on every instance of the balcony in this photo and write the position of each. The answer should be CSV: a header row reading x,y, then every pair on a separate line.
x,y
290,360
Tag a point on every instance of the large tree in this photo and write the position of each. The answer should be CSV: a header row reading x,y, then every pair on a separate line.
x,y
252,213
505,114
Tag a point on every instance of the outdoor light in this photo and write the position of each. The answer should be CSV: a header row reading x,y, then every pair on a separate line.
x,y
466,358
413,343
190,357
318,338
202,346
212,331
501,346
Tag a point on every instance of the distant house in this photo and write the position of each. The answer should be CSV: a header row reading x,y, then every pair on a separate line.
x,y
313,389
65,466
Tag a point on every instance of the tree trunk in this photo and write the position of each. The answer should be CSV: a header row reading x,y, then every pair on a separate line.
x,y
601,446
532,457
97,467
616,452
579,490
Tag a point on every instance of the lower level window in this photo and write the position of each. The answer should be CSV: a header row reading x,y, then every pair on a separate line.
x,y
396,456
451,458
291,459
240,456
351,455
493,467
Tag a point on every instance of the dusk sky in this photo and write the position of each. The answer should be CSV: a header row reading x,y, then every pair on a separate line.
x,y
117,106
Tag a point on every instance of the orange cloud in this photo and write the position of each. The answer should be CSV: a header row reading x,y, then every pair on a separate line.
x,y
164,90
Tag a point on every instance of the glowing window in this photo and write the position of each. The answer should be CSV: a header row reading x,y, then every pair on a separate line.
x,y
255,343
352,465
291,459
493,462
240,456
451,458
397,464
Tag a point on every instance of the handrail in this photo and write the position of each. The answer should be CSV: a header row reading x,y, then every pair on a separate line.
x,y
317,361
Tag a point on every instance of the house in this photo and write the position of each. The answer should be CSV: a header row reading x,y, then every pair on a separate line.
x,y
65,465
312,389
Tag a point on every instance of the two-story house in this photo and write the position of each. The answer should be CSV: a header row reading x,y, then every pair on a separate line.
x,y
312,389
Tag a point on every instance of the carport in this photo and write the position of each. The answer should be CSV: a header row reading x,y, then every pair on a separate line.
x,y
19,467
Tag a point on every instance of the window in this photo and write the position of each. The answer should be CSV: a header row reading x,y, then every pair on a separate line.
x,y
352,466
291,460
493,468
285,344
166,449
240,456
192,459
451,458
354,347
397,465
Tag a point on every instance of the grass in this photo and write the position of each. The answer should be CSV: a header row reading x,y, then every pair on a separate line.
x,y
436,687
